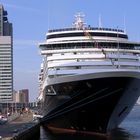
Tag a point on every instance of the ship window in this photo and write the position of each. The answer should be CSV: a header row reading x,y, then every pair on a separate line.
x,y
82,34
51,76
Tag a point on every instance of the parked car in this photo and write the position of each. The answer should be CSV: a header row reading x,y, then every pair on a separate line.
x,y
3,119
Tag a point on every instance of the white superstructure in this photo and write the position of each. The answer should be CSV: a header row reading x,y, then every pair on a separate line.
x,y
85,50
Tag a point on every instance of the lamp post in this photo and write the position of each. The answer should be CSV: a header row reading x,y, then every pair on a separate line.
x,y
7,107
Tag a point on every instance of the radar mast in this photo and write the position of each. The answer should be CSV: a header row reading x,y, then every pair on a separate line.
x,y
79,21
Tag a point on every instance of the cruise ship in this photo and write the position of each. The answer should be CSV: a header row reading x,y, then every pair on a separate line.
x,y
90,77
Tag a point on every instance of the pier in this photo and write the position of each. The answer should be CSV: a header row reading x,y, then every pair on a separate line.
x,y
22,127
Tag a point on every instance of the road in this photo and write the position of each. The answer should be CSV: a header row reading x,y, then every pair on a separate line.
x,y
18,125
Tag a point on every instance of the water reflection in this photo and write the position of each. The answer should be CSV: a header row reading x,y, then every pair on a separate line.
x,y
120,134
117,134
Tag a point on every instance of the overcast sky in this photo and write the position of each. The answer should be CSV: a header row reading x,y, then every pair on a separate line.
x,y
32,18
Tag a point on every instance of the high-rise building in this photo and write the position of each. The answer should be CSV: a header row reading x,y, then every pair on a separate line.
x,y
21,96
24,95
6,57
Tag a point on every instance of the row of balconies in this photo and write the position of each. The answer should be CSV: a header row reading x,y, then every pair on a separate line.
x,y
72,64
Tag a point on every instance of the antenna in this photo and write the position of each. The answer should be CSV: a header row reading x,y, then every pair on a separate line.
x,y
100,22
48,15
48,19
124,24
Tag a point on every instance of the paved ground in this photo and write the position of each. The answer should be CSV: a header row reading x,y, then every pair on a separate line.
x,y
18,125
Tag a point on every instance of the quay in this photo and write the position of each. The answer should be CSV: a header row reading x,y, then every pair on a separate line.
x,y
21,128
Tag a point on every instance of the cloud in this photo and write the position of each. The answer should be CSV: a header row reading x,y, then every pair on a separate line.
x,y
33,71
24,42
17,7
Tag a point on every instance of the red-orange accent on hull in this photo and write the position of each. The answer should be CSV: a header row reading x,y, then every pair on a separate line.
x,y
64,130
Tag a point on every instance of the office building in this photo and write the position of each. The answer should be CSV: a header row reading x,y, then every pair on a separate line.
x,y
6,58
21,96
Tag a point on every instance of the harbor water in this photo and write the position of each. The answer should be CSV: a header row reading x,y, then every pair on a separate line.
x,y
128,130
